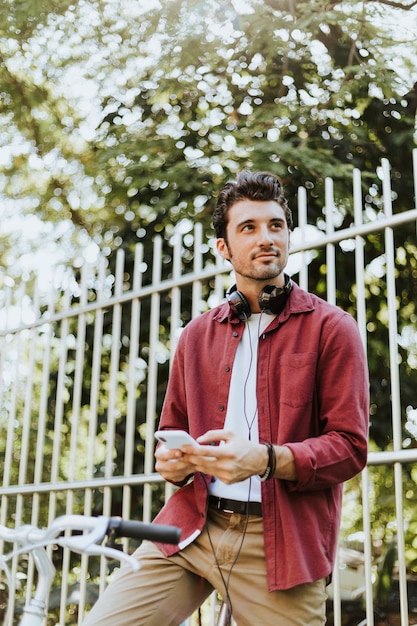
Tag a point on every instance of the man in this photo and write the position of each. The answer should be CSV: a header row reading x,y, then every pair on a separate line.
x,y
274,386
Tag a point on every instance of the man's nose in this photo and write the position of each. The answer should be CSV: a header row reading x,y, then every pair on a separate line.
x,y
265,236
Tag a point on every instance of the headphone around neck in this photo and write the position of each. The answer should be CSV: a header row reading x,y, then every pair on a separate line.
x,y
271,299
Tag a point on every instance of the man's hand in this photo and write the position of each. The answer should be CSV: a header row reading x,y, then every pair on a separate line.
x,y
229,457
232,460
225,455
172,464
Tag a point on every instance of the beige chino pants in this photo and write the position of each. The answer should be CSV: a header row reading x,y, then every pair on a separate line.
x,y
230,551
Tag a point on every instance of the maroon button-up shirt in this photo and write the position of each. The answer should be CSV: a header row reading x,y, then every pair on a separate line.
x,y
312,393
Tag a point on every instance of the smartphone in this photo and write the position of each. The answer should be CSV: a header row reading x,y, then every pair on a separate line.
x,y
174,439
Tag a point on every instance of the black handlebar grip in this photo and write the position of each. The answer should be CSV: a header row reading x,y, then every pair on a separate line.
x,y
143,530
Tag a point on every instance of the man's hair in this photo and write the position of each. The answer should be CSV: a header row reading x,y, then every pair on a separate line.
x,y
261,186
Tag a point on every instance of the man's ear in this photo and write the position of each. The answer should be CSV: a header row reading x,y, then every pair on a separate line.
x,y
222,248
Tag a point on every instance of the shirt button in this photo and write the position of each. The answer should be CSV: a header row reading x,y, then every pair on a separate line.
x,y
227,368
235,334
221,407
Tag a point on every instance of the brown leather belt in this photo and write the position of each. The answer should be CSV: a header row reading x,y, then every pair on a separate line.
x,y
236,506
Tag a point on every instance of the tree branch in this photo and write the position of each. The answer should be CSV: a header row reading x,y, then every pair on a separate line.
x,y
398,5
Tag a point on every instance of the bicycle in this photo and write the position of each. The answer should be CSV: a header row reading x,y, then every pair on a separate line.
x,y
31,539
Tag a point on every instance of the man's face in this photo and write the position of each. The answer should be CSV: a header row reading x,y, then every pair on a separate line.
x,y
257,241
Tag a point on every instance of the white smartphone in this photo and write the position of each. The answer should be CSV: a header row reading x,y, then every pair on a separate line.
x,y
174,439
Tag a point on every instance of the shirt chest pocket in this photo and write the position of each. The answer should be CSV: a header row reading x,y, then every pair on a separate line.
x,y
296,379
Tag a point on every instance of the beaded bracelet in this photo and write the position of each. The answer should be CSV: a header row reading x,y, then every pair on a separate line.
x,y
272,461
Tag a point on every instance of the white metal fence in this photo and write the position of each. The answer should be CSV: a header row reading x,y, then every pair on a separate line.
x,y
83,369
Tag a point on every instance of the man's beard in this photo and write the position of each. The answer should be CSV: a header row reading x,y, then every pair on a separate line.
x,y
263,273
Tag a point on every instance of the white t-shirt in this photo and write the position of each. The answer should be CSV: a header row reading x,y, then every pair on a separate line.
x,y
242,410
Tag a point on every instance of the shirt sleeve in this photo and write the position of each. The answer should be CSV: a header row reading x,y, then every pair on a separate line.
x,y
339,451
174,408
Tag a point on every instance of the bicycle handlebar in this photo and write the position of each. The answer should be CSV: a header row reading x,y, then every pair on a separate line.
x,y
142,530
97,527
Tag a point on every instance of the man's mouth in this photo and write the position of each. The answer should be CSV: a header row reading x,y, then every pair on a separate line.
x,y
266,255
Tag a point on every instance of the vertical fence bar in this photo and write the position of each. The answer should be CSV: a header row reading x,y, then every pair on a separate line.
x,y
359,257
14,358
32,335
175,324
198,266
11,422
26,420
112,410
330,248
72,459
92,423
132,384
331,297
175,294
59,402
302,223
43,404
5,298
395,388
41,426
95,382
152,375
77,387
361,319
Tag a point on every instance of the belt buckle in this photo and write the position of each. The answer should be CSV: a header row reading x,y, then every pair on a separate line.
x,y
220,508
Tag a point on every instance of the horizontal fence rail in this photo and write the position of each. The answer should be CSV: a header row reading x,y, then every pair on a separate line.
x,y
84,365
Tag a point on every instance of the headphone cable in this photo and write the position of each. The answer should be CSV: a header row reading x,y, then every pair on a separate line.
x,y
249,423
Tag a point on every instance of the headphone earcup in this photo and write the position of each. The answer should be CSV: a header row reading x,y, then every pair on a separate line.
x,y
238,301
272,299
